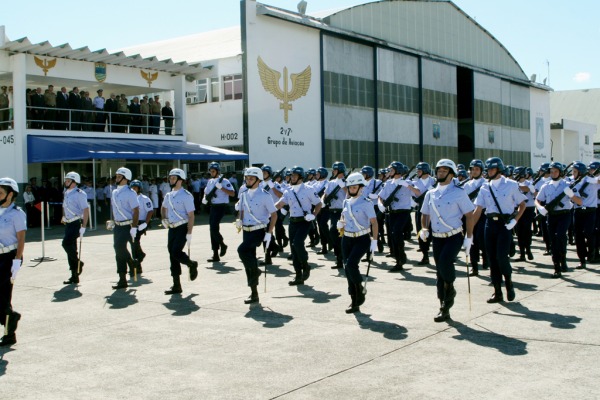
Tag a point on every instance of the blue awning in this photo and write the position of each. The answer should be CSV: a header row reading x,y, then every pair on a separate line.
x,y
60,148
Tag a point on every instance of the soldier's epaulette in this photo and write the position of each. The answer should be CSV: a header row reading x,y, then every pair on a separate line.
x,y
457,186
187,192
80,191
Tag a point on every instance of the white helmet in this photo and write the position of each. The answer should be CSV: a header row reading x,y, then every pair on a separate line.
x,y
74,176
254,171
444,162
356,178
126,172
11,183
178,172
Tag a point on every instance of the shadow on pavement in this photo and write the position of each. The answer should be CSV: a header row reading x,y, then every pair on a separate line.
x,y
122,298
3,362
389,330
316,295
139,282
182,305
221,268
425,280
504,344
66,293
581,285
268,317
277,271
556,320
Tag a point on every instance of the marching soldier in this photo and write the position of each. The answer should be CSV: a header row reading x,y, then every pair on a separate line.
x,y
13,226
524,227
398,198
257,218
595,256
382,223
585,200
371,191
125,211
218,191
323,217
76,212
543,177
281,240
443,209
472,188
499,197
300,198
275,191
333,199
178,214
422,185
145,215
359,225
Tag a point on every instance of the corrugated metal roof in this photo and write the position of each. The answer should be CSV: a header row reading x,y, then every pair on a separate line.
x,y
65,50
198,47
578,105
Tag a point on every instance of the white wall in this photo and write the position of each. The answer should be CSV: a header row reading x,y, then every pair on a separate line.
x,y
539,127
569,143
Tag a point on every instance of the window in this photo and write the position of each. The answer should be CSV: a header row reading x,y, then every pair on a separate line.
x,y
232,87
214,90
201,89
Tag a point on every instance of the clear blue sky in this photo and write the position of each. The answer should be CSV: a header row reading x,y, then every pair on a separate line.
x,y
565,33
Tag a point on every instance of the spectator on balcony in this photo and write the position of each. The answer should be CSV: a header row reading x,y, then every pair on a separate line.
x,y
75,106
62,106
145,110
99,109
37,109
110,107
4,109
123,110
87,117
167,114
155,108
50,112
136,116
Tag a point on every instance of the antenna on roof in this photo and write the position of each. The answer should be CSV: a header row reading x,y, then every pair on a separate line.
x,y
302,7
533,78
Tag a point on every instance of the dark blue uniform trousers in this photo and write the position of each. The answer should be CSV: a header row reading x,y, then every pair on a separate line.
x,y
497,246
298,234
478,243
398,221
445,251
121,237
6,287
334,236
585,241
69,243
353,250
217,211
247,253
558,225
175,243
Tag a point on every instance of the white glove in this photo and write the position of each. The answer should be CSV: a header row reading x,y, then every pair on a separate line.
x,y
542,210
237,206
531,188
133,233
81,231
424,234
204,201
267,240
16,266
467,244
238,223
373,196
309,217
270,184
283,211
188,238
218,185
165,223
511,224
381,207
373,245
340,183
142,226
569,192
340,225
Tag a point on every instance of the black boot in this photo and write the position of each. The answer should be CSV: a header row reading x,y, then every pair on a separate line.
x,y
268,260
253,298
497,297
529,255
297,280
193,266
305,271
223,249
74,279
323,250
360,295
556,273
122,284
510,289
353,307
474,270
176,288
449,295
215,257
424,260
581,265
11,338
380,246
443,315
338,265
522,256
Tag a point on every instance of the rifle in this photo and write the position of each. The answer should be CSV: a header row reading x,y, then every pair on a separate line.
x,y
279,173
392,197
213,192
464,182
409,171
419,199
557,201
474,193
329,198
585,185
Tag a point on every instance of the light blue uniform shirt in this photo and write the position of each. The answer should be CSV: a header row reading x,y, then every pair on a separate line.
x,y
267,189
589,196
529,195
360,211
507,193
145,205
222,197
549,192
124,201
374,186
256,207
451,204
338,200
404,196
540,183
178,204
473,185
423,184
307,196
74,203
12,221
319,185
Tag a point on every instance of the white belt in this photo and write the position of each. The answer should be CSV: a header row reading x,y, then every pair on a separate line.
x,y
447,234
123,223
254,227
72,220
357,234
8,249
178,223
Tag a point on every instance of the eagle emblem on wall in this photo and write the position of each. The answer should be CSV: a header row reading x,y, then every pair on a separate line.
x,y
149,76
44,64
270,80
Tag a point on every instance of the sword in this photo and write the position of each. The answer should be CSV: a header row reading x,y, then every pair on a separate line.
x,y
79,258
6,324
469,280
369,258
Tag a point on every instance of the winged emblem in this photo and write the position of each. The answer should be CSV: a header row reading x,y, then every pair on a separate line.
x,y
149,76
45,64
270,81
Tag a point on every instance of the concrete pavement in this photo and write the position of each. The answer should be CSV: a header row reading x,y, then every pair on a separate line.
x,y
93,342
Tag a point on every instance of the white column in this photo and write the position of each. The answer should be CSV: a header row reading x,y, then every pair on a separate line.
x,y
19,71
179,107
